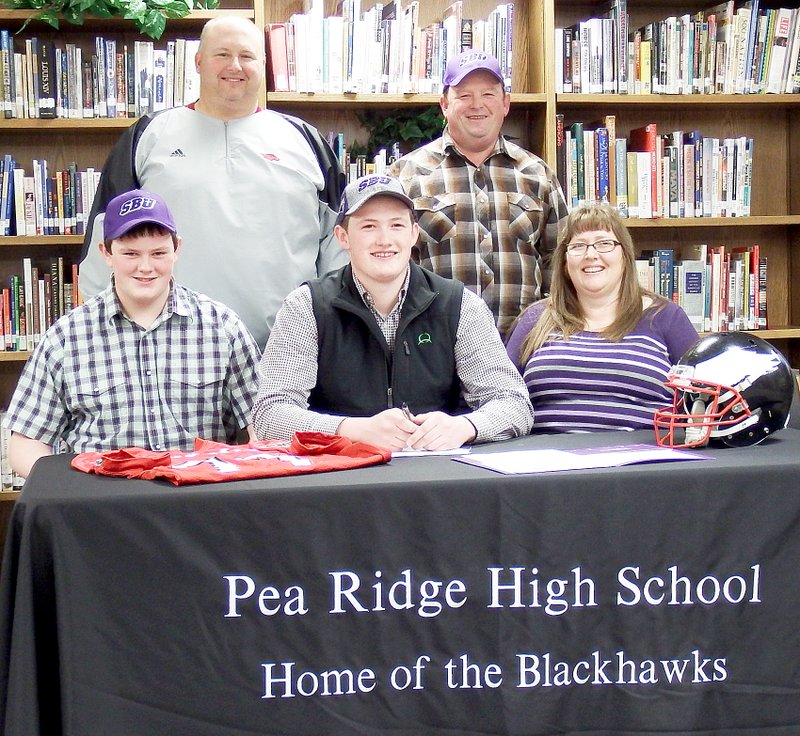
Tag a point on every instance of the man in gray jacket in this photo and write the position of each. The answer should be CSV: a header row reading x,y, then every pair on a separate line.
x,y
253,192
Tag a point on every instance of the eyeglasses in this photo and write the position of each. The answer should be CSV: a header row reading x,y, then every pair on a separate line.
x,y
577,250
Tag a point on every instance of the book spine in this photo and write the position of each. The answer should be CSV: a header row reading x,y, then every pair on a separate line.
x,y
55,288
47,95
100,78
561,151
169,91
687,150
567,58
159,79
645,139
7,319
671,167
665,261
27,303
590,166
610,124
34,330
632,166
6,176
603,182
763,322
466,34
621,168
6,68
277,54
19,201
121,75
579,192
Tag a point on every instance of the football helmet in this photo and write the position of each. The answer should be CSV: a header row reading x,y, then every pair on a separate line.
x,y
731,388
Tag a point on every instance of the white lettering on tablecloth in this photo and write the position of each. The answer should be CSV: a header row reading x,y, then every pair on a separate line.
x,y
680,590
428,597
515,587
545,670
509,590
289,601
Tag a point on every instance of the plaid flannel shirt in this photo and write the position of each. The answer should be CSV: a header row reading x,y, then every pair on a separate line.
x,y
98,381
494,227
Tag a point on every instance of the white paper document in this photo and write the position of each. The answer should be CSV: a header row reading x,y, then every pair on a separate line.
x,y
430,453
516,462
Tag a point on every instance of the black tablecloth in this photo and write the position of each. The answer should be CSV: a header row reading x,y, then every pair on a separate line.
x,y
422,597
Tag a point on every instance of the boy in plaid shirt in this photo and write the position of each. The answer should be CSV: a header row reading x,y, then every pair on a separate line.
x,y
146,363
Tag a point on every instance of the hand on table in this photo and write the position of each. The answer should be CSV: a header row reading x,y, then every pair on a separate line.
x,y
439,431
390,428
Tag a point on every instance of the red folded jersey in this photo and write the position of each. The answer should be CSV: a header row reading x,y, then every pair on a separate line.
x,y
211,462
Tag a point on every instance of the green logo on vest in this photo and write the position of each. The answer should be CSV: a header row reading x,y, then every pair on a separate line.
x,y
424,338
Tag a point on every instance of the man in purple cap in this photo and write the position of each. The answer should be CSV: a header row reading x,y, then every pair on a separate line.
x,y
488,210
145,363
384,351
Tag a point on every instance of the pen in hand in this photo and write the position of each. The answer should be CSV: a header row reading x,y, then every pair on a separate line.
x,y
407,415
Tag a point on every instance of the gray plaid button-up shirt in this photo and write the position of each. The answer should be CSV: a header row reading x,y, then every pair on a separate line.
x,y
98,381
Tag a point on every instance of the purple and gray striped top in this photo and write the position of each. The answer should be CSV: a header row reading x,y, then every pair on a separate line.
x,y
588,384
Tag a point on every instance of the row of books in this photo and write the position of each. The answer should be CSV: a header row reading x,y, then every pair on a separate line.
x,y
720,288
9,481
46,201
34,299
46,79
381,50
649,175
355,166
730,48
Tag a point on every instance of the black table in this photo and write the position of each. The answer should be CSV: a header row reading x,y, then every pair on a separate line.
x,y
658,599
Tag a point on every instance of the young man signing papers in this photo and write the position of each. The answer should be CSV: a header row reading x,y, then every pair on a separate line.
x,y
384,351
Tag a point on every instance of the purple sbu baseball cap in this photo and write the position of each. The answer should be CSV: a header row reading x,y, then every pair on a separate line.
x,y
133,208
357,193
470,61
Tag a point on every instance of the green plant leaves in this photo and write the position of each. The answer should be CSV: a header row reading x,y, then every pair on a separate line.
x,y
409,126
149,16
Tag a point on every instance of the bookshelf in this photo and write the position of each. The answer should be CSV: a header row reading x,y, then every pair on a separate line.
x,y
63,140
527,122
773,121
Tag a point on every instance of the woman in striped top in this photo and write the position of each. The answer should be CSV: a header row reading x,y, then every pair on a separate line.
x,y
595,353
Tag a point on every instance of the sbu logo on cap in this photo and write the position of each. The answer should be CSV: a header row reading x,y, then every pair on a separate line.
x,y
473,57
135,204
372,181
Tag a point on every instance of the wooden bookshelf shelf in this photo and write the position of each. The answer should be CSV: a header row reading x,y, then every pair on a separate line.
x,y
778,333
378,100
760,221
683,101
773,333
14,356
7,241
191,19
350,100
78,124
